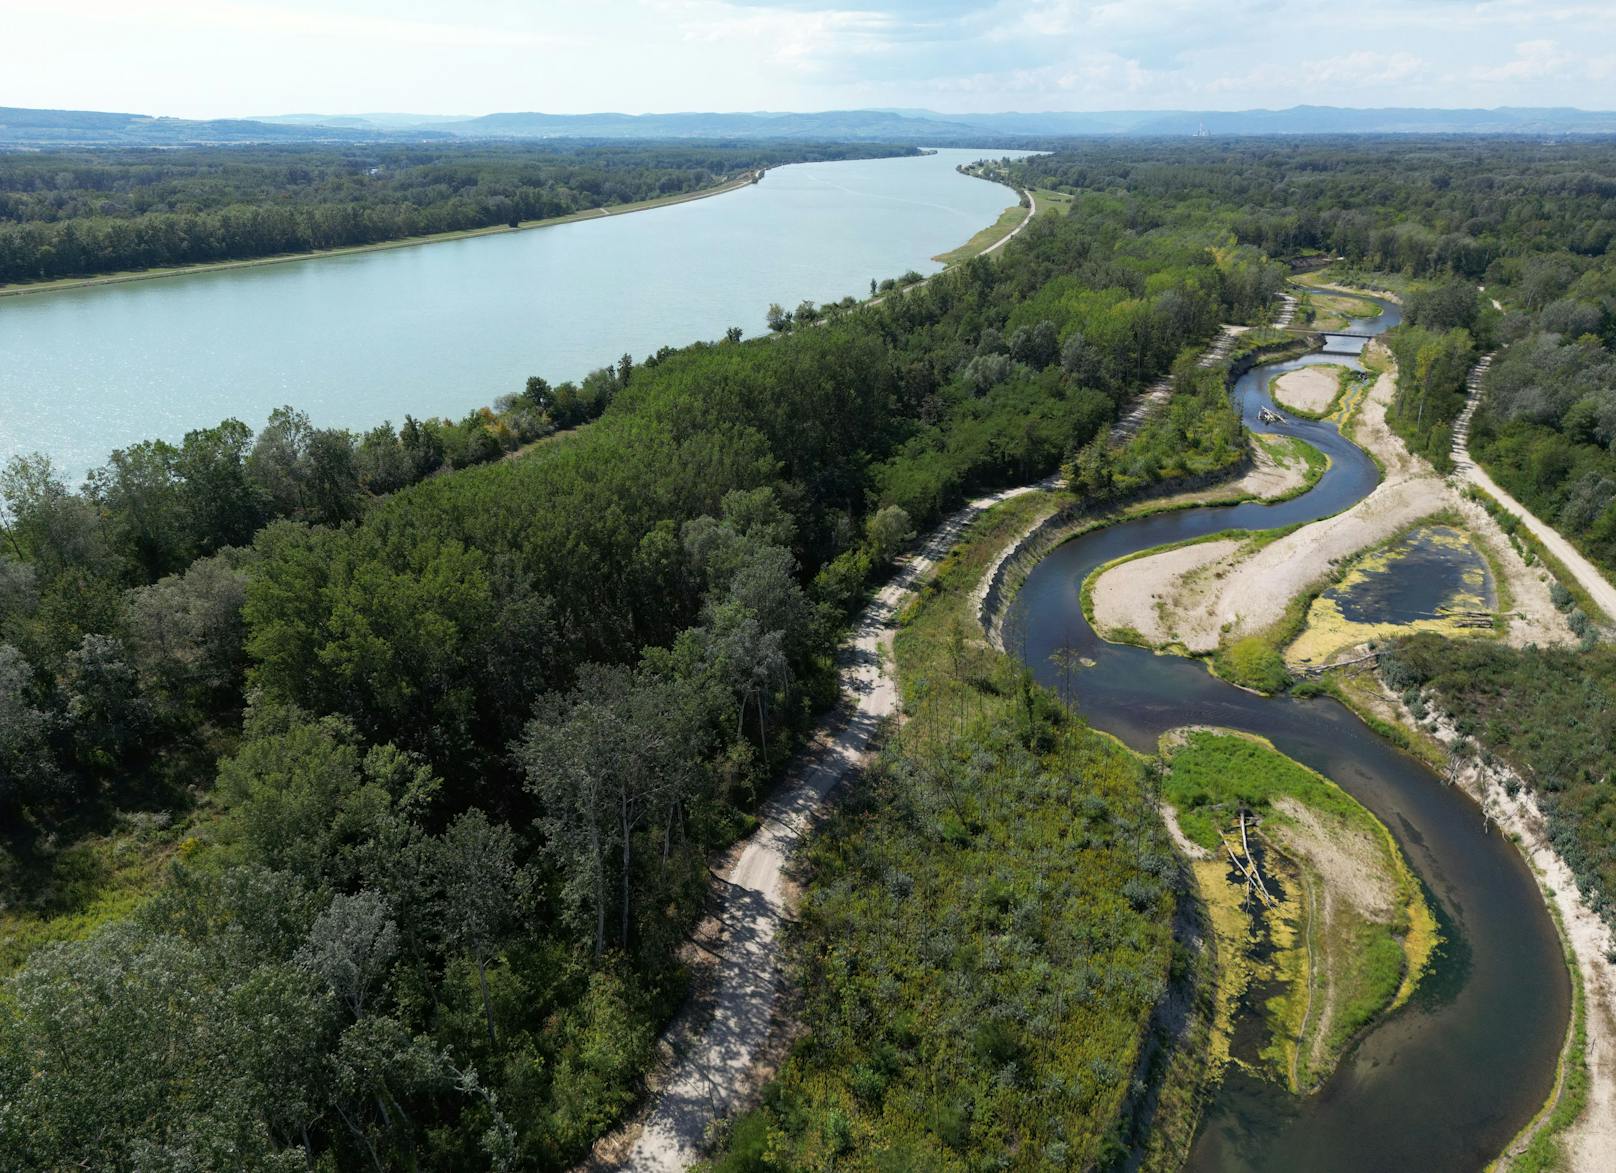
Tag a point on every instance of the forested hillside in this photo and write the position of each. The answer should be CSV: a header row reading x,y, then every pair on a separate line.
x,y
79,213
477,733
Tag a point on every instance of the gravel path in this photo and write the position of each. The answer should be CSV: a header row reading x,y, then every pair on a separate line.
x,y
1586,573
727,1034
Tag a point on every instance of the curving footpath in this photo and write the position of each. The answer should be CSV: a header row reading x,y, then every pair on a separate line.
x,y
1032,210
720,1040
725,1035
1588,577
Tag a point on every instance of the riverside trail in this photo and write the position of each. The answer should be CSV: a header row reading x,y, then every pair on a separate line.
x,y
1415,1090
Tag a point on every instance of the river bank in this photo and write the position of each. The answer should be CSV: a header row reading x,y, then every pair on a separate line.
x,y
1319,926
1207,597
357,339
1420,1087
66,283
1575,1129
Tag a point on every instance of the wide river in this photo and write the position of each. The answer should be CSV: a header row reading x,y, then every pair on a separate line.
x,y
441,328
1445,1082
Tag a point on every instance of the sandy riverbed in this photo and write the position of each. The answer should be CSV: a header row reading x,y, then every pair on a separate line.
x,y
1203,599
1310,389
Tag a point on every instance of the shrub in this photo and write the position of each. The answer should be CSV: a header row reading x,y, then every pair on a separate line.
x,y
1253,662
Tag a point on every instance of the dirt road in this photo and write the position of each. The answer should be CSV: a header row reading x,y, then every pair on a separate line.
x,y
725,1034
1599,587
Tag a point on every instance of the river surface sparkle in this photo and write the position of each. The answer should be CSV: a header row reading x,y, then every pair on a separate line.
x,y
442,328
1445,1082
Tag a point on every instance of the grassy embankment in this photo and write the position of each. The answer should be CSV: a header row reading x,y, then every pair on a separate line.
x,y
1008,221
985,931
19,289
1048,203
1351,932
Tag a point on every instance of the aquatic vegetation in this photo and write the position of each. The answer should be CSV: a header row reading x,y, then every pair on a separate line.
x,y
1431,578
1331,930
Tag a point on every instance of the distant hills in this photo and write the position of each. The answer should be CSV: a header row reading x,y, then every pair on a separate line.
x,y
21,127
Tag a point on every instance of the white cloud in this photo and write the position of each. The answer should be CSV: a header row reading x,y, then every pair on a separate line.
x,y
224,57
1351,72
1532,60
797,38
277,20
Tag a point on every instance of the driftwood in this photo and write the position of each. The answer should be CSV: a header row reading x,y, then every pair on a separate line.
x,y
1321,669
1248,867
1245,850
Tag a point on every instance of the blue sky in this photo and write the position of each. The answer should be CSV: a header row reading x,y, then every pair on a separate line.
x,y
210,58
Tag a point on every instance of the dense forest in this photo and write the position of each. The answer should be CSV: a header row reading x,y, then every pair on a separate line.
x,y
1500,243
79,213
359,788
479,722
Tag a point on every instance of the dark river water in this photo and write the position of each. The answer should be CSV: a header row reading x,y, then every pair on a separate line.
x,y
1445,1082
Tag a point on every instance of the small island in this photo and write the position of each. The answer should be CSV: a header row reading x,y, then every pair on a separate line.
x,y
1319,926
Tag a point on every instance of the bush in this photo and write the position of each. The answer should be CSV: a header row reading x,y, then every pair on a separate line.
x,y
1253,662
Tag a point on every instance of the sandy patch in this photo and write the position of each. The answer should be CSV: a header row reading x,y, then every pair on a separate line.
x,y
1274,473
1533,619
1149,593
1202,601
1385,294
1351,863
1187,847
1349,869
1310,389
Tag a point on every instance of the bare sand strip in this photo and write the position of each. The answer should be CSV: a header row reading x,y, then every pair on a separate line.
x,y
719,1040
1588,576
1311,389
1149,601
1200,603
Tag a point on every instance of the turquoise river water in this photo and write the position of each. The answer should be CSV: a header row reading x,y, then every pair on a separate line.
x,y
444,327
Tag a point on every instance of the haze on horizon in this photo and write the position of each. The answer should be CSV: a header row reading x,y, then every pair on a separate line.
x,y
244,58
